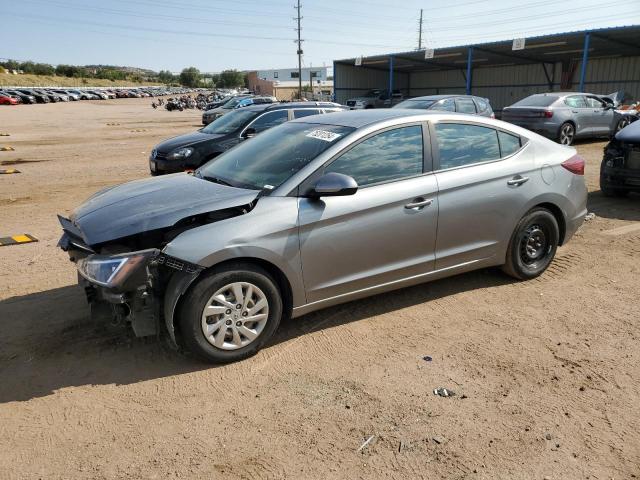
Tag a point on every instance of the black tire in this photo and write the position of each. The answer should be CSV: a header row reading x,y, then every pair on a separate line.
x,y
194,302
566,133
533,245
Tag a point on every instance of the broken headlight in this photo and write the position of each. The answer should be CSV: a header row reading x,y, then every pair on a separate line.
x,y
113,270
181,153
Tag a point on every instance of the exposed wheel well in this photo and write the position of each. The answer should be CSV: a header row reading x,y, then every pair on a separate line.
x,y
557,213
282,282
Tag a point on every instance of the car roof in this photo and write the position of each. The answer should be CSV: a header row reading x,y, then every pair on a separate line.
x,y
281,106
360,118
440,97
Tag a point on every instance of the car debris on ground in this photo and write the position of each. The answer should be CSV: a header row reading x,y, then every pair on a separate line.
x,y
443,392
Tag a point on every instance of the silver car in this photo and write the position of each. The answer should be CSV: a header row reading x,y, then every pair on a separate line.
x,y
565,116
320,211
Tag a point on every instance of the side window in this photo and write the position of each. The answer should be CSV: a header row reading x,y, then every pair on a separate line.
x,y
269,120
460,144
575,101
509,144
305,113
482,104
447,105
466,105
594,102
390,155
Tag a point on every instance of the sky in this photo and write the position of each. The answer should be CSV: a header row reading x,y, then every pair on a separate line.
x,y
214,35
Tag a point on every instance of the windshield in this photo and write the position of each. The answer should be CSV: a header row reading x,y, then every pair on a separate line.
x,y
233,103
273,156
422,104
536,101
230,122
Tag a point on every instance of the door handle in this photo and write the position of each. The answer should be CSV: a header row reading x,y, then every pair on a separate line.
x,y
517,181
418,204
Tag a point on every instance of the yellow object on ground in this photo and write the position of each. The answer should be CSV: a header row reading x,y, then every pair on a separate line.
x,y
17,239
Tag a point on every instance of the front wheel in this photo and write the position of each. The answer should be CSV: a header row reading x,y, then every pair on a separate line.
x,y
622,123
230,313
533,245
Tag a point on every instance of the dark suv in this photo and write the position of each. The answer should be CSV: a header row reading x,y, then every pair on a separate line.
x,y
190,151
451,103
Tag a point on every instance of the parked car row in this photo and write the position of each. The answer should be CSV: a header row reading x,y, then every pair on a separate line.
x,y
18,95
218,108
560,116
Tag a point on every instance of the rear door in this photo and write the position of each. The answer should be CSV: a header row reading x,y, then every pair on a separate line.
x,y
386,231
485,178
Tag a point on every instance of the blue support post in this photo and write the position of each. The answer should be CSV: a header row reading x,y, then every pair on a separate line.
x,y
335,95
585,59
469,69
390,77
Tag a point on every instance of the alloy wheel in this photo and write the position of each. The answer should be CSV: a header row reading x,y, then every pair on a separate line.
x,y
235,316
566,134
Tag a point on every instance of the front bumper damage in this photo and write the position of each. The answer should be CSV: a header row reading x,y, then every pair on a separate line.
x,y
146,299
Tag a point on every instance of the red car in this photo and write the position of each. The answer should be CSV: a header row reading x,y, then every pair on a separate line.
x,y
6,99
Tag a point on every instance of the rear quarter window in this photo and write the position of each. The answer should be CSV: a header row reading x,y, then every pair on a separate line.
x,y
536,101
509,144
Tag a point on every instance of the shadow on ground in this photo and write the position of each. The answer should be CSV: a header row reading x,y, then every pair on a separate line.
x,y
49,343
619,208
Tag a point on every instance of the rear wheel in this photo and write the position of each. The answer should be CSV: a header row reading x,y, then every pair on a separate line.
x,y
533,245
230,313
566,134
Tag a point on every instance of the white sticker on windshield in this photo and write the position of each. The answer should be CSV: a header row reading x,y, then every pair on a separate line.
x,y
324,135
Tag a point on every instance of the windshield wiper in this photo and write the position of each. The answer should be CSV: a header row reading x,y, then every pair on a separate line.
x,y
217,180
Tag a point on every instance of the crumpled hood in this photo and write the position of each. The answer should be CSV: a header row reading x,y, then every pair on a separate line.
x,y
630,133
151,204
186,140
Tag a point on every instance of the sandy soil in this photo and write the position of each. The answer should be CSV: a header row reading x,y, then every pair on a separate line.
x,y
546,372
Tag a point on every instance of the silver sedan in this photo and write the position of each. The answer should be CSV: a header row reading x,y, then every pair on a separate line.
x,y
565,116
320,211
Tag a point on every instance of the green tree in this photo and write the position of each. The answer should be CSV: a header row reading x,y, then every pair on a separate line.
x,y
190,77
166,77
230,79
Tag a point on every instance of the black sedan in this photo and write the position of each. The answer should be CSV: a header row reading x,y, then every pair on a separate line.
x,y
190,151
40,97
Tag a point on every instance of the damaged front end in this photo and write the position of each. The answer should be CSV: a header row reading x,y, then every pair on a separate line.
x,y
116,239
620,168
139,288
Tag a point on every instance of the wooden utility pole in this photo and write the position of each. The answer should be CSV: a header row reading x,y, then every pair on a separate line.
x,y
299,30
420,32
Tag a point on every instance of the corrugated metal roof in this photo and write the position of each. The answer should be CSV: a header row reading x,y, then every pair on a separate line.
x,y
604,43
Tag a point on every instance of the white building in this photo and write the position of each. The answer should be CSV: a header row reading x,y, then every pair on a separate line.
x,y
285,75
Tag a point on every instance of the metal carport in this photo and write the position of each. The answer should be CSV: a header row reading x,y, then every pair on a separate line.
x,y
599,61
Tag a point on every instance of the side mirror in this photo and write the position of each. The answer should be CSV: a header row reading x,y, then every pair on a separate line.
x,y
609,106
334,185
249,133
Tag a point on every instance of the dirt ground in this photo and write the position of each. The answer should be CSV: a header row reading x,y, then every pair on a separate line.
x,y
546,373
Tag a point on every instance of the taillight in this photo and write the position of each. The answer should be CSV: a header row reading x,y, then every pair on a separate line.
x,y
548,113
575,165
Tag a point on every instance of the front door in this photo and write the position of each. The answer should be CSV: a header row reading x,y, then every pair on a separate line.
x,y
383,233
602,117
